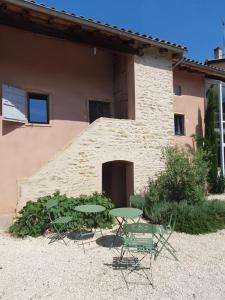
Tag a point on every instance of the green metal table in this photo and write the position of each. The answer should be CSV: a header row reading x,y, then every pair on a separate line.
x,y
89,209
124,213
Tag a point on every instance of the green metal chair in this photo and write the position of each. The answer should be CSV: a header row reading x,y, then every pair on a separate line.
x,y
137,201
163,236
59,223
138,238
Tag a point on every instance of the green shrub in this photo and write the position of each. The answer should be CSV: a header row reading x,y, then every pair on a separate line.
x,y
204,217
180,189
33,219
184,178
153,194
185,175
219,184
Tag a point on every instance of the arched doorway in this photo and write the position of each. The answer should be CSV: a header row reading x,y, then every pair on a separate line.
x,y
118,181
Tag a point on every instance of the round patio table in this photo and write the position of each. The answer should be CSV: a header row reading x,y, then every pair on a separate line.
x,y
124,213
89,209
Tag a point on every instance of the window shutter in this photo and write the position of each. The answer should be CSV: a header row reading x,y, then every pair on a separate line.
x,y
13,104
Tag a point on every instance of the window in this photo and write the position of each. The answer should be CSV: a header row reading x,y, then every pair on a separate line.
x,y
38,109
179,124
177,90
98,109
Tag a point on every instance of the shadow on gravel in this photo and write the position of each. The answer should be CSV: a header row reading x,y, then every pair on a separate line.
x,y
110,241
80,235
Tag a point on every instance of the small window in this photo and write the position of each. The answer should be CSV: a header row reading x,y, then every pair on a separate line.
x,y
179,124
98,109
177,90
38,109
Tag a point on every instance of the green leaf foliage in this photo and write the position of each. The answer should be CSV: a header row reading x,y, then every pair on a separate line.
x,y
184,177
210,142
33,219
181,190
205,217
211,136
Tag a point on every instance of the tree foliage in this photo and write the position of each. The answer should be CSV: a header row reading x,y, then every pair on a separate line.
x,y
211,138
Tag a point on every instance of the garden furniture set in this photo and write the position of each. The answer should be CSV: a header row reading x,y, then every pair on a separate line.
x,y
139,239
59,222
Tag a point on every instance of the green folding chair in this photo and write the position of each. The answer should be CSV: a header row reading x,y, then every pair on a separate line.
x,y
163,236
137,201
138,239
58,223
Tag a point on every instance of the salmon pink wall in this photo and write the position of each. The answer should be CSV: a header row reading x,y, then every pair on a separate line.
x,y
71,75
218,63
190,103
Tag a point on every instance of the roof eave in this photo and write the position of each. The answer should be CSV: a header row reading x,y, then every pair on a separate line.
x,y
95,25
206,70
211,61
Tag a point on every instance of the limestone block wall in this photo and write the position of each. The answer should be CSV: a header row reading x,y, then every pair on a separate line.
x,y
154,93
78,168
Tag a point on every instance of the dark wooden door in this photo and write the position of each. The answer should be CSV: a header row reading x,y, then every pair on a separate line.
x,y
98,109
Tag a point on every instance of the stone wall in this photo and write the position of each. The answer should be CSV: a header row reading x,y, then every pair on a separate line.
x,y
120,87
78,168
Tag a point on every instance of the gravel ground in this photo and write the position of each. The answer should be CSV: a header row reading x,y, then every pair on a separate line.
x,y
33,269
216,197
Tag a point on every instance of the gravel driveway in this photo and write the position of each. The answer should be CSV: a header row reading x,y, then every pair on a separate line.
x,y
33,269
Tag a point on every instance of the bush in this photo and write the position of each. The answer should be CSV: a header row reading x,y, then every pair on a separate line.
x,y
33,219
180,189
184,177
219,184
205,217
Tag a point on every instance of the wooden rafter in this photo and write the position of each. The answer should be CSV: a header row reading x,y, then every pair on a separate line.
x,y
76,33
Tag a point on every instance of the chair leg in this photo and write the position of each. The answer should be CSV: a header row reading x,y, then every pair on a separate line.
x,y
168,249
58,234
151,271
166,240
168,243
64,240
83,245
122,253
101,232
117,234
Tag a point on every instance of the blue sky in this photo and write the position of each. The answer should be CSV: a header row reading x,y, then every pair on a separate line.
x,y
192,23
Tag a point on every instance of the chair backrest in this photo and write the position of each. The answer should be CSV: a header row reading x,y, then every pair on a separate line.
x,y
172,222
137,201
139,228
51,203
48,206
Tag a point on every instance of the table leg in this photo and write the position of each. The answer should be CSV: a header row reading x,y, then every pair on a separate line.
x,y
119,230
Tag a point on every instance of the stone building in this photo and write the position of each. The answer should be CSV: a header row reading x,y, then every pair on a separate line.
x,y
88,107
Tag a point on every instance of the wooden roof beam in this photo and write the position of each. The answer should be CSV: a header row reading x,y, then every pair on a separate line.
x,y
74,34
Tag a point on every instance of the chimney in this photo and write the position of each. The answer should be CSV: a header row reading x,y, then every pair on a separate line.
x,y
218,53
